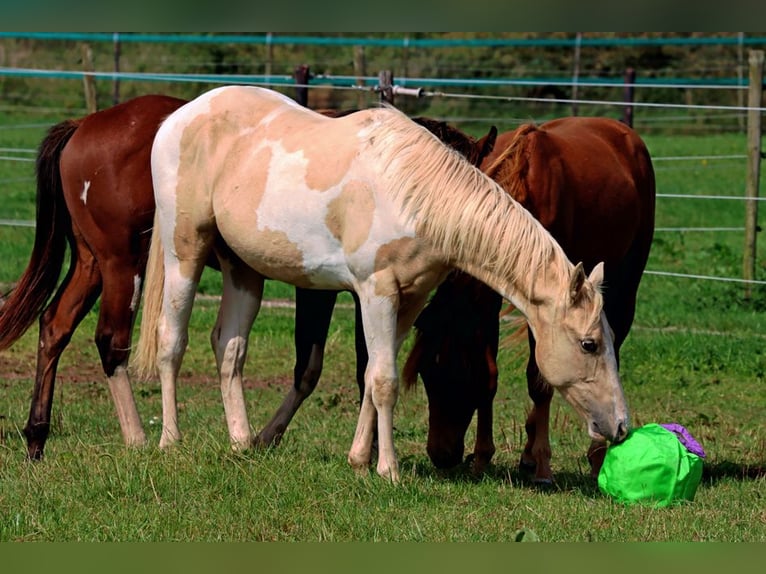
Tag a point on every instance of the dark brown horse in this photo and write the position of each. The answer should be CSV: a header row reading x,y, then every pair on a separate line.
x,y
585,179
94,192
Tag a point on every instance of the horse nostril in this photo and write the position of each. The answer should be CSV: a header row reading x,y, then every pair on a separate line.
x,y
622,432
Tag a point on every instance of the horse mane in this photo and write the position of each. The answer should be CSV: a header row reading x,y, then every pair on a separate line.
x,y
509,169
480,225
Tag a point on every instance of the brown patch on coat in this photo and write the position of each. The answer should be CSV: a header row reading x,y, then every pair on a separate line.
x,y
413,263
297,130
349,216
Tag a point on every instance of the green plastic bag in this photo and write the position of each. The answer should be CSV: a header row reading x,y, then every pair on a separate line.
x,y
650,466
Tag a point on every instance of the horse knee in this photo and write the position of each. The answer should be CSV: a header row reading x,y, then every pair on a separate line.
x,y
385,391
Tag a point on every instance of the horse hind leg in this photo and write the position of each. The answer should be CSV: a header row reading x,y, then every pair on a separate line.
x,y
75,297
240,303
119,304
313,312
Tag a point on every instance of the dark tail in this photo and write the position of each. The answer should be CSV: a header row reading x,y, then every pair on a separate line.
x,y
38,282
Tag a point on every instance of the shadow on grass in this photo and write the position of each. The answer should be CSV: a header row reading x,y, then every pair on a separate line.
x,y
721,470
511,475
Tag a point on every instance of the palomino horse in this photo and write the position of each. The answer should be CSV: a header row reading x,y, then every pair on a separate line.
x,y
278,191
590,182
94,192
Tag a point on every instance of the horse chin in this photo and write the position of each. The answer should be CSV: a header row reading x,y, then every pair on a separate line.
x,y
445,459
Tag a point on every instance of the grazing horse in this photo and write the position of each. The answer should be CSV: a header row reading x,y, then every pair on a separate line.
x,y
314,307
358,202
94,192
590,182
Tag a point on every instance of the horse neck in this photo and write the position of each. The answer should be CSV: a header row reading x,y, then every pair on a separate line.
x,y
530,272
465,215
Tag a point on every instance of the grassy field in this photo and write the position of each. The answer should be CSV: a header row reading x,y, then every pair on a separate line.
x,y
695,356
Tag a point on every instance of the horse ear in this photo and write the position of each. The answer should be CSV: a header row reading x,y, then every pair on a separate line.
x,y
576,281
597,275
486,144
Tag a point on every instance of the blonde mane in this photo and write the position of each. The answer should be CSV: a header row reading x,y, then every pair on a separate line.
x,y
464,213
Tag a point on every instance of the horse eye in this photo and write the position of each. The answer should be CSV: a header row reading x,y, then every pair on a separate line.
x,y
589,346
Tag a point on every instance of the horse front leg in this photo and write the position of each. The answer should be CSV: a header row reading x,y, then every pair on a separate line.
x,y
536,456
313,312
484,447
381,386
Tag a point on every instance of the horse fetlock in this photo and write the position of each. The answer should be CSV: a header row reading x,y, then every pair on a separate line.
x,y
389,470
169,439
241,443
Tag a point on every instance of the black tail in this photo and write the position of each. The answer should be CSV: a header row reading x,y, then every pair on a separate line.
x,y
38,282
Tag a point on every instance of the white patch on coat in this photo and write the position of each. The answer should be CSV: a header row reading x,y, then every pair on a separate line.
x,y
136,293
84,194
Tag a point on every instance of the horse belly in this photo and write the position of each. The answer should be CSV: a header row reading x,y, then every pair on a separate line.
x,y
316,261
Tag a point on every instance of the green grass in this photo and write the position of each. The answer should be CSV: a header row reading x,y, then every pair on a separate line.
x,y
695,356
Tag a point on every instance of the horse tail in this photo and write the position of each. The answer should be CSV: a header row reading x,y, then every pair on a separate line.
x,y
517,331
144,359
53,225
412,364
509,169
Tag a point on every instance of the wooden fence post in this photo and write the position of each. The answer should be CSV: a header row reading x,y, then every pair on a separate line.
x,y
627,112
116,83
88,82
302,77
360,71
386,86
754,102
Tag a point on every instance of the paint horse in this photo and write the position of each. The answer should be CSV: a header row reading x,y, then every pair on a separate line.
x,y
314,307
94,192
590,182
275,190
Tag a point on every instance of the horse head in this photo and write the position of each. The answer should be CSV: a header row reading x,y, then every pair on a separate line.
x,y
454,354
575,352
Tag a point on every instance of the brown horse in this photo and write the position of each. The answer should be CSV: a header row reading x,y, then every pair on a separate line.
x,y
585,179
94,192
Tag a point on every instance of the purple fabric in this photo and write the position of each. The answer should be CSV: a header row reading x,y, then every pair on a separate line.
x,y
686,439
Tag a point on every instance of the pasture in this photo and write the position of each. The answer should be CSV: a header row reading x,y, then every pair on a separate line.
x,y
695,356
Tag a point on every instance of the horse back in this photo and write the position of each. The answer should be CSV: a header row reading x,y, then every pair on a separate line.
x,y
105,169
589,181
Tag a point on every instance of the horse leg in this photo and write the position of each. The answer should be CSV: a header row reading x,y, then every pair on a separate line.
x,y
536,455
381,386
173,337
620,309
75,297
240,303
119,303
313,312
360,346
484,447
